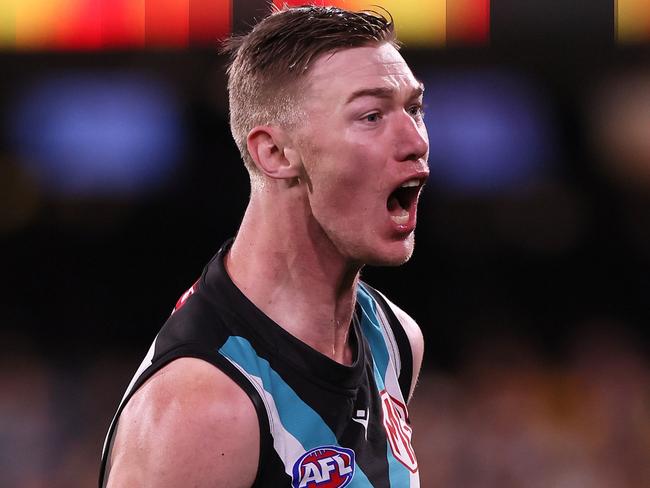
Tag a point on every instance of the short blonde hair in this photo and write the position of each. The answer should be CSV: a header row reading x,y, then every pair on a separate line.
x,y
268,66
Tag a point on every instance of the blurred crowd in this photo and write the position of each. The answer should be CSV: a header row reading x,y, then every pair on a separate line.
x,y
510,418
53,416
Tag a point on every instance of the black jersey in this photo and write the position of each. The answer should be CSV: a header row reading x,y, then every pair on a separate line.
x,y
322,424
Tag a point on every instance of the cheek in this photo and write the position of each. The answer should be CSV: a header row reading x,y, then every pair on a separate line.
x,y
345,176
333,169
347,185
336,192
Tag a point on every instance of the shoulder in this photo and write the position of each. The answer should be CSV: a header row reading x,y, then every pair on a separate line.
x,y
414,335
188,425
410,326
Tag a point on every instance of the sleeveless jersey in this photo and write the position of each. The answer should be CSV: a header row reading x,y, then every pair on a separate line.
x,y
322,424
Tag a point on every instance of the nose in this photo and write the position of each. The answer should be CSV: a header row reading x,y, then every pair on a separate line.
x,y
412,141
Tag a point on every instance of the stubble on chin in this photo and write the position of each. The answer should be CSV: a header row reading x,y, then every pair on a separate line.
x,y
391,259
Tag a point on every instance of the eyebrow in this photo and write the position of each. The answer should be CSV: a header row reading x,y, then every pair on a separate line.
x,y
383,92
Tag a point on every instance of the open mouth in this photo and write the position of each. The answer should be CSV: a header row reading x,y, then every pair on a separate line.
x,y
403,200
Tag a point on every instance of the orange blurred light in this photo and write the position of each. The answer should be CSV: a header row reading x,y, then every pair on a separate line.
x,y
468,21
209,20
123,23
82,29
632,20
166,23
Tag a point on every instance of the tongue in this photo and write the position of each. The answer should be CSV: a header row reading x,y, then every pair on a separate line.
x,y
393,204
398,214
401,218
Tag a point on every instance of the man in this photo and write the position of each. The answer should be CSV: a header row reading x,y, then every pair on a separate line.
x,y
279,367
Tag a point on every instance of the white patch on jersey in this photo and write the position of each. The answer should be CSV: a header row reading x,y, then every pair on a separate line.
x,y
362,417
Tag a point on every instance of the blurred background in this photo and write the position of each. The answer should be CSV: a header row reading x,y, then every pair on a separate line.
x,y
531,276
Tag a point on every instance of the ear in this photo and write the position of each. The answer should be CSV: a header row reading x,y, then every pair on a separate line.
x,y
271,149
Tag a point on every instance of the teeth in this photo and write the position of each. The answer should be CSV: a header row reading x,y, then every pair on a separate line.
x,y
410,183
402,218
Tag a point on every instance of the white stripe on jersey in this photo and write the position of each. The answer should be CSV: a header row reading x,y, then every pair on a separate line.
x,y
285,444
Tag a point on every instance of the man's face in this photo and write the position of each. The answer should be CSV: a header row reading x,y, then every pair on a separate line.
x,y
365,147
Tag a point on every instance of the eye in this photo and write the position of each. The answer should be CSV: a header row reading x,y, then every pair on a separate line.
x,y
373,117
416,110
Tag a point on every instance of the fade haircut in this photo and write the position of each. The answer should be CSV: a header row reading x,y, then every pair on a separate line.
x,y
268,66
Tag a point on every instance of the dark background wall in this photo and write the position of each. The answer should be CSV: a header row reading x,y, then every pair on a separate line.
x,y
559,243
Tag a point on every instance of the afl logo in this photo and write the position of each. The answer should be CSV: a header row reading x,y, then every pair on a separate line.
x,y
324,467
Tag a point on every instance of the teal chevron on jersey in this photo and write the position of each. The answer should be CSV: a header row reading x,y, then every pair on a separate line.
x,y
372,330
398,474
297,418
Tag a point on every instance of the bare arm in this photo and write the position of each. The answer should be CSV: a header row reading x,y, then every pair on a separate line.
x,y
189,425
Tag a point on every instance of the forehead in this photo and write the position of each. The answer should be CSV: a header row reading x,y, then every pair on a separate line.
x,y
336,76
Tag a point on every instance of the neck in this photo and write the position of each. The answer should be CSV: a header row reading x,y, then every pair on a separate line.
x,y
284,264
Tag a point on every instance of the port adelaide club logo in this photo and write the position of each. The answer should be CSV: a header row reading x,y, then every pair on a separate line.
x,y
324,467
398,431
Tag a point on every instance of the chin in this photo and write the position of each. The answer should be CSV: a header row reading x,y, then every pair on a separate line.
x,y
393,254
